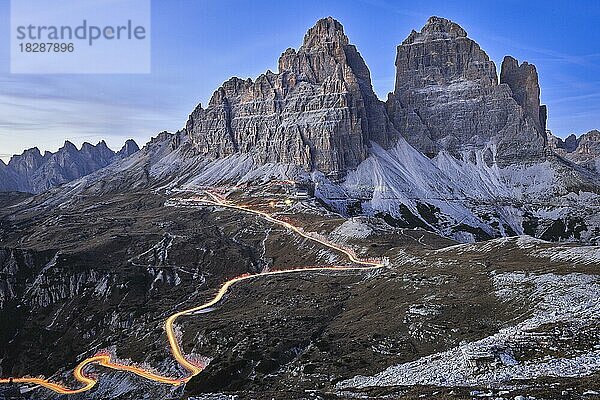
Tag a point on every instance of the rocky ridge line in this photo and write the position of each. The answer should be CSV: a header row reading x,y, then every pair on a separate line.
x,y
33,172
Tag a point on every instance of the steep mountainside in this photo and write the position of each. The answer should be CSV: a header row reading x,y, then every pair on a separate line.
x,y
447,98
467,157
489,170
34,173
319,111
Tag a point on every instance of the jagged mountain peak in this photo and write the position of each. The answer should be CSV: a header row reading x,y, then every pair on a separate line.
x,y
436,28
583,150
512,62
30,157
593,133
322,54
441,53
441,74
128,148
319,111
325,52
68,146
34,151
100,151
87,145
524,70
571,142
34,173
524,84
161,137
326,30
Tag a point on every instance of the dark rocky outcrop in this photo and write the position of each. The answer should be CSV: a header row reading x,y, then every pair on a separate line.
x,y
588,145
447,98
319,111
523,82
34,173
583,150
128,149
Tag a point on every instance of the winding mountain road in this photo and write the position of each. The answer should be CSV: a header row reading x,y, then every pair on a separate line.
x,y
193,367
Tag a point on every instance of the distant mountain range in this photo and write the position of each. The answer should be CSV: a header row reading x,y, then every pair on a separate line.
x,y
583,150
34,173
455,149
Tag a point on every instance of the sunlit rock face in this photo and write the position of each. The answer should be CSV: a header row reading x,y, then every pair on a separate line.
x,y
319,111
447,98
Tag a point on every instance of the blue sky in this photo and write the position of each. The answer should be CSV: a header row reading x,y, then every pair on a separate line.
x,y
198,44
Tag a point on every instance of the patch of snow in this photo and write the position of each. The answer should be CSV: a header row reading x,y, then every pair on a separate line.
x,y
572,299
353,228
588,255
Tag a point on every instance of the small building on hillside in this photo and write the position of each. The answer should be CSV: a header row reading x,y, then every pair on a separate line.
x,y
303,191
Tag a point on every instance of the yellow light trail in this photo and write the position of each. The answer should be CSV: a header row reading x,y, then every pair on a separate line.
x,y
104,359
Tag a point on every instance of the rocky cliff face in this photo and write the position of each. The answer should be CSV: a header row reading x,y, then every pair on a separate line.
x,y
523,82
319,111
583,150
33,172
128,149
447,98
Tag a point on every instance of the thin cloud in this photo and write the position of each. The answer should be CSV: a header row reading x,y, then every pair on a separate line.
x,y
55,120
567,99
586,60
